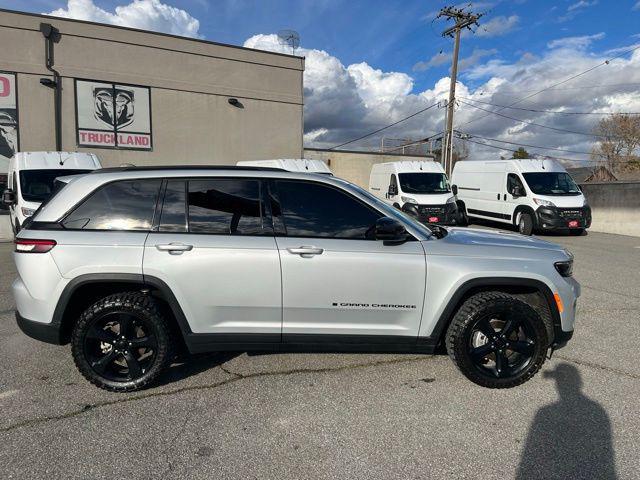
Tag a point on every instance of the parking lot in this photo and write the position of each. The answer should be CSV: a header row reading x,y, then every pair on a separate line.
x,y
341,416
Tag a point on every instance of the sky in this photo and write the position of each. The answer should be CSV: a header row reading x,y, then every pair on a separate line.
x,y
370,63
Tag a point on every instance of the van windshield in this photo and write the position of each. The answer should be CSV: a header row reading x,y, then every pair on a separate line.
x,y
551,183
38,185
423,182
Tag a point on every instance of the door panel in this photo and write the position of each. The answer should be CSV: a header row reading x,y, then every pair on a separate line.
x,y
354,287
224,284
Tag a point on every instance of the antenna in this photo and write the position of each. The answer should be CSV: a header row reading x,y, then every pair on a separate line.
x,y
290,38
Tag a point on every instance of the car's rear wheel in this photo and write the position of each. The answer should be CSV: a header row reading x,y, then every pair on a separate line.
x,y
121,343
497,340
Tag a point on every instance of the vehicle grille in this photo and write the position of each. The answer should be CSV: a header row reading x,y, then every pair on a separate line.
x,y
570,213
430,210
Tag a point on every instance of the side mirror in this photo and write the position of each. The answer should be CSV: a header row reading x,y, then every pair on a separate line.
x,y
454,189
9,198
391,231
518,191
393,190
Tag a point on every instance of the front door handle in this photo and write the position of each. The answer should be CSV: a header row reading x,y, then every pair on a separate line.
x,y
306,251
174,248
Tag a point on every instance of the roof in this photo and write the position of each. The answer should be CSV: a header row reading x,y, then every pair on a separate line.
x,y
413,166
587,174
56,160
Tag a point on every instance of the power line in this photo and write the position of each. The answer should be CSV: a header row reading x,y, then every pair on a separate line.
x,y
579,87
584,72
534,123
533,146
550,111
384,128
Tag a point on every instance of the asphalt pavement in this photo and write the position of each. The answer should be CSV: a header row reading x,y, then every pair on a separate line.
x,y
353,416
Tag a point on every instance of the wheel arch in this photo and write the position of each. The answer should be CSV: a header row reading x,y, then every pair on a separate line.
x,y
84,290
533,291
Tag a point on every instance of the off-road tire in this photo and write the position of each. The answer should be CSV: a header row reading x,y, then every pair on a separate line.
x,y
134,303
477,307
525,224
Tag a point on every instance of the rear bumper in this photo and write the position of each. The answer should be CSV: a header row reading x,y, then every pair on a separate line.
x,y
45,332
552,218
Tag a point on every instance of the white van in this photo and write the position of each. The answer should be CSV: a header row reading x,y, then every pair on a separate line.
x,y
530,194
31,176
419,188
302,165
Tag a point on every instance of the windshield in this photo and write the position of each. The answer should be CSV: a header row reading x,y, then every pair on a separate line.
x,y
38,185
391,211
551,183
420,182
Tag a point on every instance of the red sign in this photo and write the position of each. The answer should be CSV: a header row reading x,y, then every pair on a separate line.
x,y
108,139
573,224
5,87
433,219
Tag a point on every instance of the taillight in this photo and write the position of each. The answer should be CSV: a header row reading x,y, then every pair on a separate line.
x,y
28,245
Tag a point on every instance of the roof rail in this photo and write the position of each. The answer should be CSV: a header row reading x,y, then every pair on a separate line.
x,y
147,168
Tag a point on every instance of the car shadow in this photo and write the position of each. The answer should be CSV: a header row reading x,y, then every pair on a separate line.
x,y
510,228
185,365
571,438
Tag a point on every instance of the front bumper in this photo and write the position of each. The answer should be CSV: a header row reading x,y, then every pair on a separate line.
x,y
561,339
554,218
446,214
45,332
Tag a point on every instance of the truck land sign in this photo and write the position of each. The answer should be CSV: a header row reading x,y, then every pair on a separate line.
x,y
111,115
8,116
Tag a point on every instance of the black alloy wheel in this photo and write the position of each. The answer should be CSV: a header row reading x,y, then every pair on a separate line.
x,y
120,346
121,343
497,340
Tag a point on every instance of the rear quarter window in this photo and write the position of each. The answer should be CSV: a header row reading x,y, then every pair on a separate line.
x,y
123,205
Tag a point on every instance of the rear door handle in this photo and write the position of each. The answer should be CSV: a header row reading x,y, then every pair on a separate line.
x,y
306,251
174,248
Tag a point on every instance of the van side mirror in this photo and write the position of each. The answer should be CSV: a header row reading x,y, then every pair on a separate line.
x,y
393,190
391,231
518,191
9,197
454,189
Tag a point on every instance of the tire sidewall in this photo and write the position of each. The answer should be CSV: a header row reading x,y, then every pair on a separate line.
x,y
525,224
459,342
120,305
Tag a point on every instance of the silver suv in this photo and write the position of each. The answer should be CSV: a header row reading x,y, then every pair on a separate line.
x,y
131,265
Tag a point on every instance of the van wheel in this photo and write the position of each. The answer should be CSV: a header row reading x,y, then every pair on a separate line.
x,y
497,340
525,224
121,343
463,218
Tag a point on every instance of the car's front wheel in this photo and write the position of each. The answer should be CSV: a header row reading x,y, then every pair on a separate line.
x,y
497,340
121,343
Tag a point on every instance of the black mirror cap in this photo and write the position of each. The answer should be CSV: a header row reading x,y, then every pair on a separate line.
x,y
393,190
454,189
391,231
8,198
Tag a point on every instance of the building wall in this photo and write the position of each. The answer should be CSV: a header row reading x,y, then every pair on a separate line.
x,y
615,207
190,81
356,166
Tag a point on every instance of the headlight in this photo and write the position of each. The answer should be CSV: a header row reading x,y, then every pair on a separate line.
x,y
544,203
408,200
451,200
565,267
27,212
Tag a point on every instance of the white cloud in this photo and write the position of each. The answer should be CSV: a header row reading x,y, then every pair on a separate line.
x,y
497,26
144,14
435,61
581,4
636,6
344,102
463,64
580,42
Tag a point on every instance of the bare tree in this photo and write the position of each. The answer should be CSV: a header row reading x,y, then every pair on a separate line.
x,y
619,144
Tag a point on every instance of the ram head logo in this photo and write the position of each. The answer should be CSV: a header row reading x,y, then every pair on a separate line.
x,y
114,106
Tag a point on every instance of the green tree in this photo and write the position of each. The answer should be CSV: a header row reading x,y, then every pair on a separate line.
x,y
520,153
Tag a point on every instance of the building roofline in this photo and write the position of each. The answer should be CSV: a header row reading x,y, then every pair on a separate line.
x,y
151,32
365,152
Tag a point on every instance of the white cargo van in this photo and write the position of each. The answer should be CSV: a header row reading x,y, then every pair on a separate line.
x,y
534,195
31,176
419,188
302,165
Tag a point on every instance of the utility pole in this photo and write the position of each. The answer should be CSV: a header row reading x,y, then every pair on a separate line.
x,y
463,19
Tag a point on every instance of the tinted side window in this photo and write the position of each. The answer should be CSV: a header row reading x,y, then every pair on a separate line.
x,y
512,181
124,205
225,206
174,211
315,210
